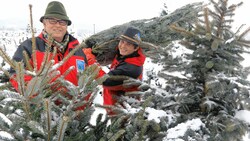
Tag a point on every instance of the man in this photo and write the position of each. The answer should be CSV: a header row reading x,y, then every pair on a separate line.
x,y
55,22
128,61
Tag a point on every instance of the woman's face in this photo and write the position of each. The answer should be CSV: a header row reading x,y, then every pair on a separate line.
x,y
56,28
126,48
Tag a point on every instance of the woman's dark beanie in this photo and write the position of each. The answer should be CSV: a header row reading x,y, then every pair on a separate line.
x,y
132,35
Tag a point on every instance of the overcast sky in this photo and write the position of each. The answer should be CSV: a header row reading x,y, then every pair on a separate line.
x,y
101,13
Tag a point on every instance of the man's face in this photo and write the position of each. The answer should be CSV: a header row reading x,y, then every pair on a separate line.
x,y
56,28
126,48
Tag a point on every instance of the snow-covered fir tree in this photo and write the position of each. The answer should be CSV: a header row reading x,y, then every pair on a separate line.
x,y
211,85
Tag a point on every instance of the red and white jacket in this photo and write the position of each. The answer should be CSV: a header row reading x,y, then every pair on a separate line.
x,y
132,66
78,60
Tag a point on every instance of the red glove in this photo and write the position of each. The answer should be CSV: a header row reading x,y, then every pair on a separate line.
x,y
90,57
92,60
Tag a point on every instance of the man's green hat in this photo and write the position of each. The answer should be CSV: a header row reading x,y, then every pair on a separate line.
x,y
56,9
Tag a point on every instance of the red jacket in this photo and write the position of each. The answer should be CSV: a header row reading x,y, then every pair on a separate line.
x,y
131,66
78,59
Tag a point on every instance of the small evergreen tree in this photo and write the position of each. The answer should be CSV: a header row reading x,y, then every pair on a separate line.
x,y
34,112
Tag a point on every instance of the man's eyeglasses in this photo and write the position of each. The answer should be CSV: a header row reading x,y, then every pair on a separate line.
x,y
54,21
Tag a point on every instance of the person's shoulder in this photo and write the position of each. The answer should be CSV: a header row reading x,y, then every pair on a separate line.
x,y
74,41
36,38
72,38
27,42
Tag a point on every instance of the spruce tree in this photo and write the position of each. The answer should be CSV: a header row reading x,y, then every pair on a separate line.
x,y
212,83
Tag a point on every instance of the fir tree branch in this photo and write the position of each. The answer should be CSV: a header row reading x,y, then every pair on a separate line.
x,y
54,52
63,123
181,30
214,15
233,6
90,73
33,40
208,29
45,61
35,127
243,43
238,30
47,71
116,109
6,58
188,45
31,88
26,61
5,71
117,135
118,77
96,48
48,115
221,9
20,78
67,72
244,33
217,9
147,45
199,29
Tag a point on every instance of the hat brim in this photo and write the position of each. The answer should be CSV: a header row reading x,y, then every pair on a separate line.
x,y
128,40
56,16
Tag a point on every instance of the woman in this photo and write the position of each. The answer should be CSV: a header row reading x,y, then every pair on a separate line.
x,y
128,61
